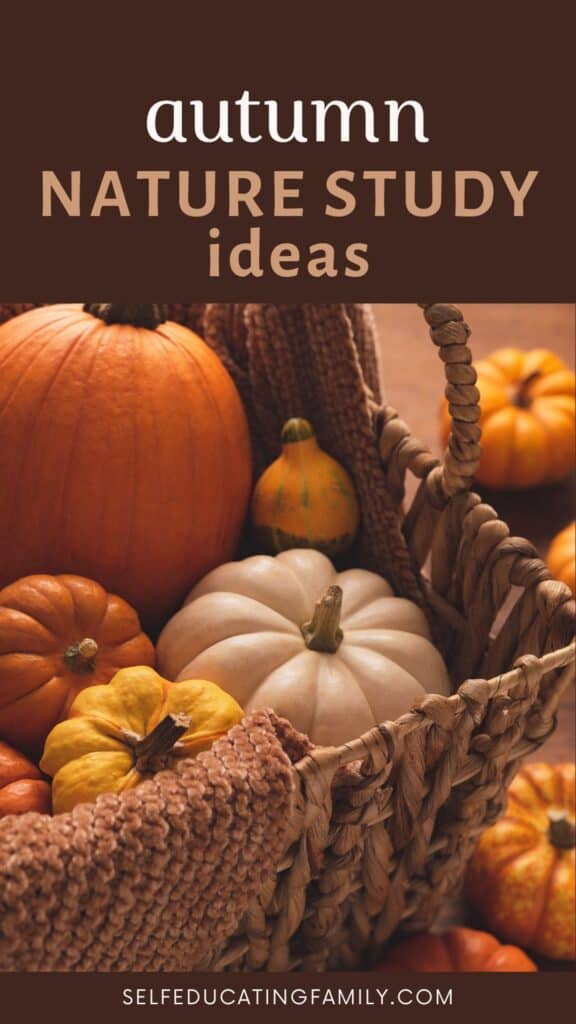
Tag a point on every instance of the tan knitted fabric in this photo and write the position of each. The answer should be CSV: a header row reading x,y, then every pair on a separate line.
x,y
157,879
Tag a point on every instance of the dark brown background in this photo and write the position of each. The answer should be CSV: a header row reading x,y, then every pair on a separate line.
x,y
494,80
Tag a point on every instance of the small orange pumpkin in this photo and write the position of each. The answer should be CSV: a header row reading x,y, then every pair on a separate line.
x,y
458,949
527,418
59,634
22,787
561,556
521,877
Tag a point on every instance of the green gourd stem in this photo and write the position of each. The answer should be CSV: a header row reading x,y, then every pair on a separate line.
x,y
81,656
561,830
150,752
295,430
322,632
149,315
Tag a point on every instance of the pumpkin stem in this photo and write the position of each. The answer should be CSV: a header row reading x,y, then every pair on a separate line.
x,y
148,315
322,632
81,656
561,830
151,752
521,399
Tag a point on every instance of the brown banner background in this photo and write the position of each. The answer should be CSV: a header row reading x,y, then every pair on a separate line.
x,y
494,81
475,998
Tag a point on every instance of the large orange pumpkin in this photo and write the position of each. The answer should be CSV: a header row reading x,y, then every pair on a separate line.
x,y
521,877
458,949
58,635
527,418
561,557
124,452
22,788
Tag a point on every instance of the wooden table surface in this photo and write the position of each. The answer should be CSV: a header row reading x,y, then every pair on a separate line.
x,y
413,382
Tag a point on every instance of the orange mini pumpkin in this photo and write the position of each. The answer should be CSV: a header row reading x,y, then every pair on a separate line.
x,y
22,787
458,949
521,877
561,557
124,452
59,634
527,418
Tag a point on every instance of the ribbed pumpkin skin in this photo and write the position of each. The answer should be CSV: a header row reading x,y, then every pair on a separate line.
x,y
521,881
42,619
124,456
458,949
528,411
22,787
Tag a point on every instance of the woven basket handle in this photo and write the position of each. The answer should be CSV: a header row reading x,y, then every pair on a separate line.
x,y
450,333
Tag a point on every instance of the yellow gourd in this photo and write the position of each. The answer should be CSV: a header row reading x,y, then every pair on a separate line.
x,y
305,499
120,734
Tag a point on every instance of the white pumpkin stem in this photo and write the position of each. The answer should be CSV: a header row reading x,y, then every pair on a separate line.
x,y
81,656
322,632
151,752
561,830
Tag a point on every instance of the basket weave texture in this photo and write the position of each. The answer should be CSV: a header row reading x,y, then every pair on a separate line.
x,y
269,854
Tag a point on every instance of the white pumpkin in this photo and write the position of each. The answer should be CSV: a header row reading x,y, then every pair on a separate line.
x,y
335,653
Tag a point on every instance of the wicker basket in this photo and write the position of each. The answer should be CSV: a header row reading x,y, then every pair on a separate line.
x,y
384,825
265,853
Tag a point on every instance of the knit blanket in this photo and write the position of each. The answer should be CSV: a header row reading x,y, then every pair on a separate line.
x,y
156,879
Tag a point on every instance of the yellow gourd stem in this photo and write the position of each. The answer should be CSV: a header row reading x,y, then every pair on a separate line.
x,y
151,752
323,632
